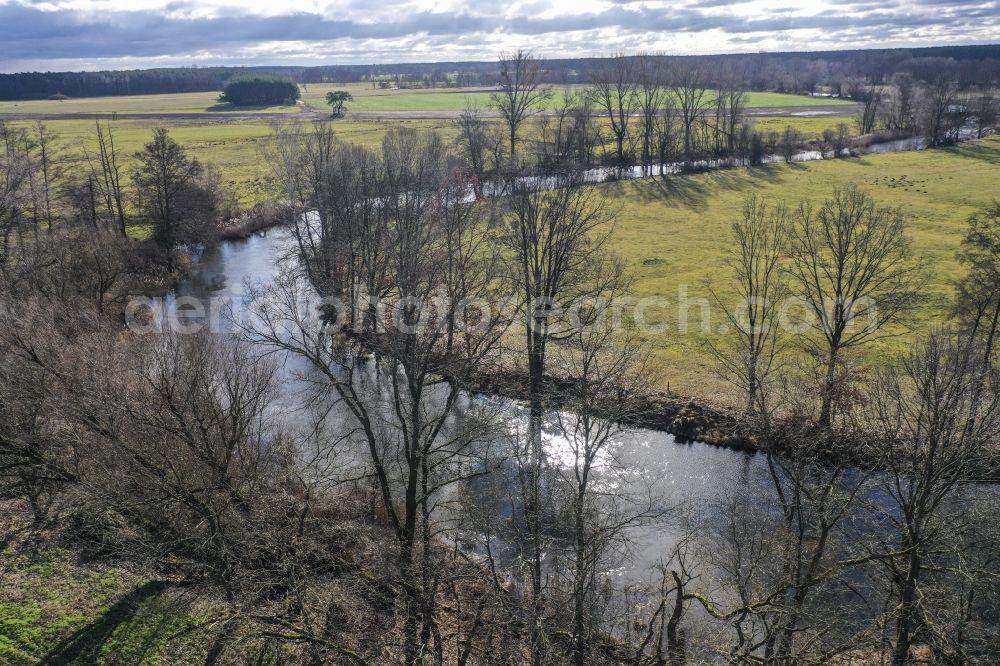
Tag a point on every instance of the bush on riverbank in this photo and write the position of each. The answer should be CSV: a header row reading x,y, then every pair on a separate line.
x,y
261,216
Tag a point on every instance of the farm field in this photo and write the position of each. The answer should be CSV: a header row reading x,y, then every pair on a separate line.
x,y
366,100
672,232
181,103
369,100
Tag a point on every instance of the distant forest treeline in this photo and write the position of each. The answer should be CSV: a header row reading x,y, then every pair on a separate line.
x,y
974,66
39,85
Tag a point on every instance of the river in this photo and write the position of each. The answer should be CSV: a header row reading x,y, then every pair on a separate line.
x,y
673,474
606,174
685,481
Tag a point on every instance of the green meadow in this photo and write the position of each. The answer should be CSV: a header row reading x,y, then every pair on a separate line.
x,y
234,144
811,127
366,99
674,233
56,609
198,102
369,100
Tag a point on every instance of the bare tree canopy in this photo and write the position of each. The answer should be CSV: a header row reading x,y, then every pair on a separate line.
x,y
521,93
759,247
850,263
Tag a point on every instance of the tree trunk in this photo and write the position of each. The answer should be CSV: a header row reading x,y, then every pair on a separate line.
x,y
907,612
536,369
675,635
984,368
829,388
752,386
579,584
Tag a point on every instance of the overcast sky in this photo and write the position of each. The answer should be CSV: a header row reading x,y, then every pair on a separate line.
x,y
99,34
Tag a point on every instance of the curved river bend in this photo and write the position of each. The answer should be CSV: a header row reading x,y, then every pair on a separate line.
x,y
675,474
705,479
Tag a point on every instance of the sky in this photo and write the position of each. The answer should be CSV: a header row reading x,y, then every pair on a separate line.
x,y
116,34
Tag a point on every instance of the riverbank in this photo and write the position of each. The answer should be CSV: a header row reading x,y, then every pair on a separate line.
x,y
259,217
689,419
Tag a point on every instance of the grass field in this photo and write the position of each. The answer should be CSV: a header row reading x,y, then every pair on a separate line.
x,y
365,99
234,144
56,609
674,232
200,102
811,127
234,147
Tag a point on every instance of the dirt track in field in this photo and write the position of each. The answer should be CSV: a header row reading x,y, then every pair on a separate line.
x,y
152,116
803,111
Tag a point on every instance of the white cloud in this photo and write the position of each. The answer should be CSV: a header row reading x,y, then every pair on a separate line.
x,y
74,34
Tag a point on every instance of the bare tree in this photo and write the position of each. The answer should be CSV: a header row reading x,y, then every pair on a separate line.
x,y
283,156
939,109
978,303
692,99
778,551
479,141
933,437
902,102
614,90
557,240
980,254
521,93
402,410
837,138
109,178
667,134
651,94
568,135
791,138
170,433
986,109
868,113
850,263
664,633
733,94
750,357
48,167
15,167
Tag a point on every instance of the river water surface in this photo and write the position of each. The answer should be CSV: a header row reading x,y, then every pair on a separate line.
x,y
671,473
